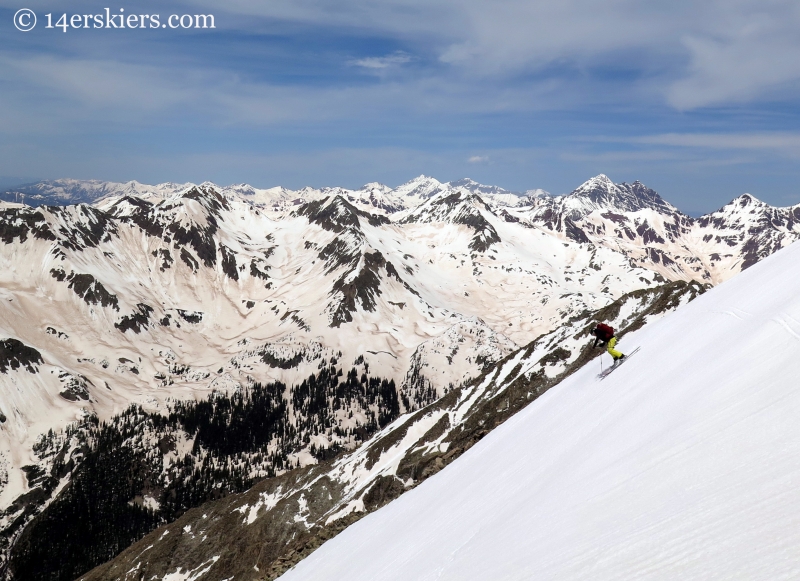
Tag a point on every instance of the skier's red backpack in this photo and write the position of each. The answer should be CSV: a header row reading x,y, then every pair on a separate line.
x,y
603,331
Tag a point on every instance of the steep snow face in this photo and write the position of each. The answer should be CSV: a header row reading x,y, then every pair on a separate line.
x,y
681,464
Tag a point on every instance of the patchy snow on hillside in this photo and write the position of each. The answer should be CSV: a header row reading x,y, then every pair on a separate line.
x,y
680,465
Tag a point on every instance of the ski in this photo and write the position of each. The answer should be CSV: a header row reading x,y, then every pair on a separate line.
x,y
605,373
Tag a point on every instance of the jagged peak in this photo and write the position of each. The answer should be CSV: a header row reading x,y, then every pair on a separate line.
x,y
742,201
208,195
336,214
591,186
747,199
125,205
423,178
600,192
445,205
460,207
372,186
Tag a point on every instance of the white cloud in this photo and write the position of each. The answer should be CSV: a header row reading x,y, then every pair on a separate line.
x,y
383,62
688,54
57,93
750,54
478,159
786,141
706,149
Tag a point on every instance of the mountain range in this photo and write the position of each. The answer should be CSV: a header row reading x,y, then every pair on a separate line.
x,y
139,329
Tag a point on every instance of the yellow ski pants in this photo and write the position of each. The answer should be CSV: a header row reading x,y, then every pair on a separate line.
x,y
611,351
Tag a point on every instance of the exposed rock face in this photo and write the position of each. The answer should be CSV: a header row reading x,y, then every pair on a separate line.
x,y
15,355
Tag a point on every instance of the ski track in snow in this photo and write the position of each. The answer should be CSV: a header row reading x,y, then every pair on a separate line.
x,y
681,465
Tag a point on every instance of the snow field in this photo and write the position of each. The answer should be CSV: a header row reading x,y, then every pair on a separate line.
x,y
681,465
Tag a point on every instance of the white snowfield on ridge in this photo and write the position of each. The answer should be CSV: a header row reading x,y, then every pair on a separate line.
x,y
683,464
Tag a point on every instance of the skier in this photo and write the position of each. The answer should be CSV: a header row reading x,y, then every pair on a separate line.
x,y
605,334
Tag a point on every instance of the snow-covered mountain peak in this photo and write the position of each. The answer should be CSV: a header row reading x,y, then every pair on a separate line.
x,y
121,206
448,207
376,187
422,187
745,208
600,193
537,193
207,196
474,187
747,200
599,182
336,214
373,197
460,208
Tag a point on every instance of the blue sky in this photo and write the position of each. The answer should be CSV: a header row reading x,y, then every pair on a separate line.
x,y
697,100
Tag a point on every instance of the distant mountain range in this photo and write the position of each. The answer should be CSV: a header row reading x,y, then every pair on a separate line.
x,y
381,198
333,313
668,241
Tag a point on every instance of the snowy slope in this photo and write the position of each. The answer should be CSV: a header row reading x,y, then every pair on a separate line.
x,y
680,465
283,519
